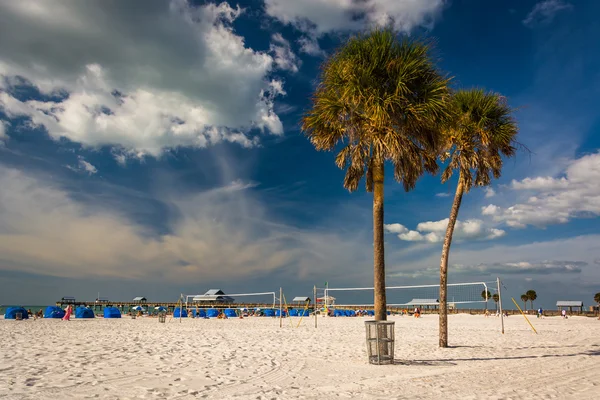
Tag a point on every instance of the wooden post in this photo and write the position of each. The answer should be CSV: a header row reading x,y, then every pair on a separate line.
x,y
315,303
500,304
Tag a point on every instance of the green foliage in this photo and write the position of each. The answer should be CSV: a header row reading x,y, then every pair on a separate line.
x,y
486,295
480,131
597,298
496,297
383,99
531,296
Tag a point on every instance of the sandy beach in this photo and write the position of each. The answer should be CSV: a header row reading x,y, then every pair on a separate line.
x,y
253,358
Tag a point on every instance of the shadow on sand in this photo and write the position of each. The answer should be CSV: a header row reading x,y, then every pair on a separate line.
x,y
452,361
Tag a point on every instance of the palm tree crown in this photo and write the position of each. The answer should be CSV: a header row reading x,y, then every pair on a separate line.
x,y
481,131
597,298
381,97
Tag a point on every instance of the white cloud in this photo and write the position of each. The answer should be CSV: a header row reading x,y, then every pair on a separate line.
x,y
3,135
489,192
442,194
544,12
284,57
310,45
555,200
83,166
435,231
161,76
217,234
317,17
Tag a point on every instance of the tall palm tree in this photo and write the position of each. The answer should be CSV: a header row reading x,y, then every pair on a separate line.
x,y
532,296
496,298
524,299
481,131
597,298
382,98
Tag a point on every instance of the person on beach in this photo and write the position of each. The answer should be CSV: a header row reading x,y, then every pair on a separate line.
x,y
68,312
564,314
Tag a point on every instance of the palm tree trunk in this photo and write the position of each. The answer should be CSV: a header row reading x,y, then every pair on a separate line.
x,y
378,248
444,263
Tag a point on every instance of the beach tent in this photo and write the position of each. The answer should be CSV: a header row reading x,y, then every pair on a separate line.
x,y
277,313
54,312
303,313
293,312
201,313
230,313
11,313
178,312
268,312
84,312
212,313
112,312
370,313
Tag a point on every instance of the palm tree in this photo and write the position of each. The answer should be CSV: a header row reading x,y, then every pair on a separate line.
x,y
531,295
383,99
486,295
480,132
496,298
524,299
597,298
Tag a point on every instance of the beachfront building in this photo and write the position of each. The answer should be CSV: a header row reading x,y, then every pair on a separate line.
x,y
140,299
570,305
67,300
423,303
300,300
213,296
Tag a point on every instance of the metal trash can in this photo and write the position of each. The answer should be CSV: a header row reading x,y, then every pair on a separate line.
x,y
380,342
162,318
19,316
132,315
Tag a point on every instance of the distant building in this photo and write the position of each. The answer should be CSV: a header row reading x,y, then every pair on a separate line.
x,y
564,304
301,300
213,296
67,300
140,299
434,303
102,300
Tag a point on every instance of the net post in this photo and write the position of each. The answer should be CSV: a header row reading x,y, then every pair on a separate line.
x,y
315,303
500,304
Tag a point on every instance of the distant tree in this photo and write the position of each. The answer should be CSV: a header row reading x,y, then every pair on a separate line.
x,y
486,295
524,299
496,299
531,295
597,298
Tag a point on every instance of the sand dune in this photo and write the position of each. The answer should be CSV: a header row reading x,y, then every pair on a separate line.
x,y
255,359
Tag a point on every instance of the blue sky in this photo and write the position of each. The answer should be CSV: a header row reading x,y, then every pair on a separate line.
x,y
153,148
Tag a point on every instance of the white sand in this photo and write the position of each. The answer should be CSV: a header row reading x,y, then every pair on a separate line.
x,y
254,359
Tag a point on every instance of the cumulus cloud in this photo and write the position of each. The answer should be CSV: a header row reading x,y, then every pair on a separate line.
x,y
215,234
489,192
554,200
435,231
544,12
164,75
317,17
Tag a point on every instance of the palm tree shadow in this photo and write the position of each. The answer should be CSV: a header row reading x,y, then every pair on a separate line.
x,y
452,361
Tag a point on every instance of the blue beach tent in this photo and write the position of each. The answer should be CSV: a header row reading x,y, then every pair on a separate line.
x,y
179,313
230,313
112,312
370,313
84,312
212,313
199,314
11,313
269,312
54,312
303,313
277,313
293,312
